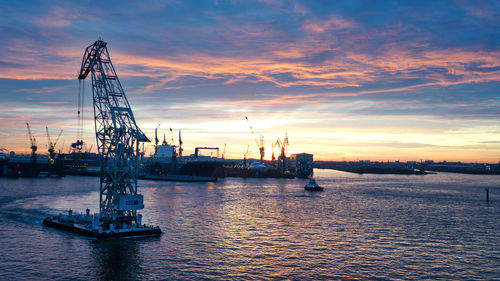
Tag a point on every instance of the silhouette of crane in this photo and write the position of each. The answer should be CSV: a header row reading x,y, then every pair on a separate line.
x,y
180,144
258,141
52,145
33,144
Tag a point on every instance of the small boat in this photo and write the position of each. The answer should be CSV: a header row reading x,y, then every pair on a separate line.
x,y
313,186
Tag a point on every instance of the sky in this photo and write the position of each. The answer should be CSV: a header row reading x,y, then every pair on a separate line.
x,y
346,80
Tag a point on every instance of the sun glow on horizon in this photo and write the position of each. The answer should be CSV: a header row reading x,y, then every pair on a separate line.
x,y
342,84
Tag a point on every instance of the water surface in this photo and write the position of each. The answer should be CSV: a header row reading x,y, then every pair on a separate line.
x,y
366,227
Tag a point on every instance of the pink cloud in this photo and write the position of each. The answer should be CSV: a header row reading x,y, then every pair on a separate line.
x,y
53,22
333,23
54,102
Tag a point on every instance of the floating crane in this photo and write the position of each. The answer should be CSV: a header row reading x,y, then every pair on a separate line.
x,y
117,135
259,142
52,145
118,138
33,144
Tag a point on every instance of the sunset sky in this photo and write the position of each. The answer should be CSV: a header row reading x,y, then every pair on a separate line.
x,y
353,80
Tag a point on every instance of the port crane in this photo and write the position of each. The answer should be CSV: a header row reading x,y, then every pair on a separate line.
x,y
180,144
52,145
278,144
245,156
171,136
259,142
33,144
282,146
172,142
118,138
286,143
156,139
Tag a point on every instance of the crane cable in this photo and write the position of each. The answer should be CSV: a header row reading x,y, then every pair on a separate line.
x,y
82,107
78,109
81,98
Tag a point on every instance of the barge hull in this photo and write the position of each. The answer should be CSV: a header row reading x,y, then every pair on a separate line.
x,y
149,231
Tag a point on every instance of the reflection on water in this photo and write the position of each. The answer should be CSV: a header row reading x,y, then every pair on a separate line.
x,y
118,259
437,227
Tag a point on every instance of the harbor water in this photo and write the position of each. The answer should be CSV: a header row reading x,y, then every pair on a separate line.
x,y
365,227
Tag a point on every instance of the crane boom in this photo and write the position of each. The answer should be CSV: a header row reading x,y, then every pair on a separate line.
x,y
117,136
259,142
253,132
58,136
52,145
48,136
285,142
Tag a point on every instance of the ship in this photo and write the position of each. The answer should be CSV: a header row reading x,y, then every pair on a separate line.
x,y
313,186
79,163
20,166
167,163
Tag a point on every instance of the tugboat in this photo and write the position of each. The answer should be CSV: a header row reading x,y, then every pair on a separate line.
x,y
313,186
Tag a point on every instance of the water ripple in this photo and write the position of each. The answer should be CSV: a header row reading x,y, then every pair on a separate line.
x,y
378,227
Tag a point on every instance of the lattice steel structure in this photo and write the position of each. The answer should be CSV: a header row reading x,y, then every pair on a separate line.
x,y
118,138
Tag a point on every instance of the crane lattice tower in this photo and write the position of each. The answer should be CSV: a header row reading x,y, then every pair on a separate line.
x,y
118,138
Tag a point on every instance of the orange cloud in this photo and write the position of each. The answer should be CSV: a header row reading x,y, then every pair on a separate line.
x,y
287,67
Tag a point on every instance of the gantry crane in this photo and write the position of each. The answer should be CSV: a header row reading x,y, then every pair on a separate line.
x,y
259,142
33,144
118,138
52,145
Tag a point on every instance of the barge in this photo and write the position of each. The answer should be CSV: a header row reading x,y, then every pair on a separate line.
x,y
91,226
